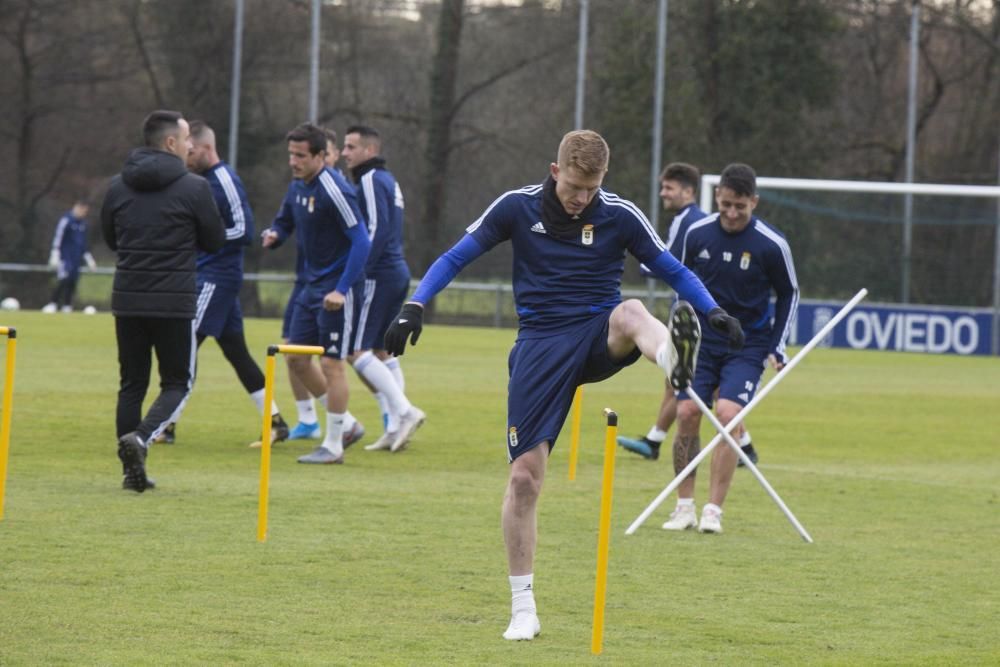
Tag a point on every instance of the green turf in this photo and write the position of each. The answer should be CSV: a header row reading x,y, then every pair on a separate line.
x,y
889,460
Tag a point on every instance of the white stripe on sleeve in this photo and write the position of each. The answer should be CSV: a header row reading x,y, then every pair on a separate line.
x,y
338,198
368,191
235,205
615,200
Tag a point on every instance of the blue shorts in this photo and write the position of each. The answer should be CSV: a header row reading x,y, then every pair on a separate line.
x,y
218,310
334,330
544,375
68,270
735,374
383,297
286,323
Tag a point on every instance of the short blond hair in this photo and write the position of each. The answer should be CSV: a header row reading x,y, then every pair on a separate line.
x,y
585,151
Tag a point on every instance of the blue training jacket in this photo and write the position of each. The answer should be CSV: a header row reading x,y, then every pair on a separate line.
x,y
70,240
333,238
226,264
381,203
741,270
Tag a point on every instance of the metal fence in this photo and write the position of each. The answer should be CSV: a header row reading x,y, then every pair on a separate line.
x,y
464,302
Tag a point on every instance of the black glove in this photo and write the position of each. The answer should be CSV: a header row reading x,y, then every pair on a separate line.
x,y
409,323
726,324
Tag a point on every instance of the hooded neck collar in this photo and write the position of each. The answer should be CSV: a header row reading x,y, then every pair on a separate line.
x,y
366,166
555,219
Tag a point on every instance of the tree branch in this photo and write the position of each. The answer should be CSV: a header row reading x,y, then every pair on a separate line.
x,y
480,86
147,64
53,177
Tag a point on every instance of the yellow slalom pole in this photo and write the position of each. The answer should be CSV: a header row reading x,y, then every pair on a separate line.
x,y
604,533
8,404
299,349
265,445
574,431
265,440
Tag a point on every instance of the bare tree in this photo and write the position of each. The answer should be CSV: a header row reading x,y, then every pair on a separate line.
x,y
443,78
51,95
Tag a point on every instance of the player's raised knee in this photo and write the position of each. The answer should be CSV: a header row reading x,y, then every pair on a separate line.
x,y
629,314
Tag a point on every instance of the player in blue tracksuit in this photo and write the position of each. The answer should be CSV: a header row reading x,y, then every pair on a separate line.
x,y
322,208
742,260
387,280
307,379
678,192
569,239
220,276
69,252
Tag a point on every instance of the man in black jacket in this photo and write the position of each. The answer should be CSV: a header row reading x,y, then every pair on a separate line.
x,y
157,216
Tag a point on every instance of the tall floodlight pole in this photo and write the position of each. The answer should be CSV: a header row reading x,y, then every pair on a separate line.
x,y
657,152
314,65
581,64
911,140
234,89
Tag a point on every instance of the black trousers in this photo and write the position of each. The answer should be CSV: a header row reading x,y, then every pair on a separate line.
x,y
234,347
65,289
173,341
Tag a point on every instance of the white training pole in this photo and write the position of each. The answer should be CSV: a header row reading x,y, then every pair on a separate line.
x,y
749,406
707,411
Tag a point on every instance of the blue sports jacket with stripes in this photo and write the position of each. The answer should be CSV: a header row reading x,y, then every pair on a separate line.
x,y
741,270
334,241
225,266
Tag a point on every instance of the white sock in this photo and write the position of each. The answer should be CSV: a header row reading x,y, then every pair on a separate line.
x,y
685,502
745,440
665,356
390,422
392,363
349,421
372,369
713,506
334,440
656,435
521,593
307,411
258,399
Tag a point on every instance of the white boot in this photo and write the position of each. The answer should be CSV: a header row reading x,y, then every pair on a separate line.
x,y
524,625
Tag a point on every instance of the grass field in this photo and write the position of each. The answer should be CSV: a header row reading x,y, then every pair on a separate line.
x,y
891,461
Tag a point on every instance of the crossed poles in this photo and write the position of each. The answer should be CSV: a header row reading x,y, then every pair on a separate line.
x,y
725,432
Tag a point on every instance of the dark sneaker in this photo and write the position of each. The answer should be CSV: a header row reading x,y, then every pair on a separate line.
x,y
643,446
279,432
150,484
685,335
751,454
133,457
279,429
168,436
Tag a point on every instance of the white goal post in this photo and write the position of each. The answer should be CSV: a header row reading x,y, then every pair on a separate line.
x,y
709,181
